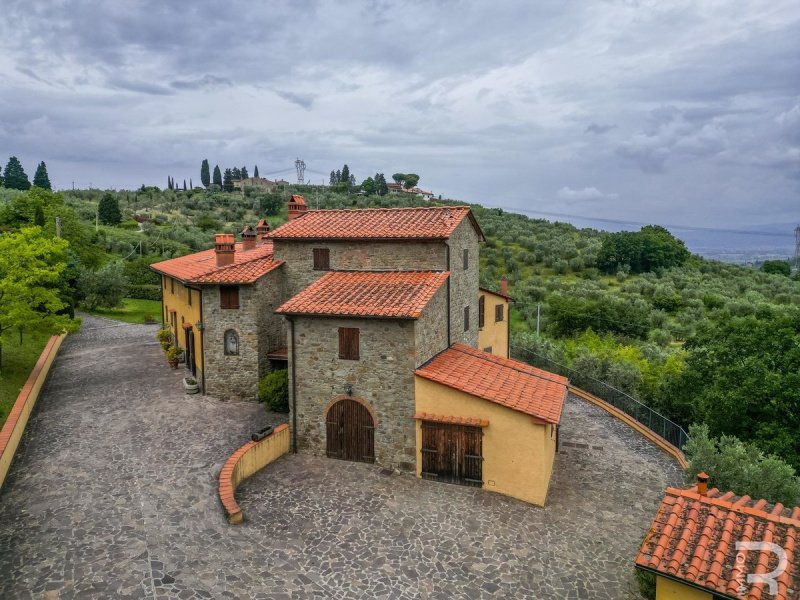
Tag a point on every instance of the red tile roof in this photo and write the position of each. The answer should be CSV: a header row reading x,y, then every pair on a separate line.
x,y
501,294
201,267
427,223
693,538
507,382
388,294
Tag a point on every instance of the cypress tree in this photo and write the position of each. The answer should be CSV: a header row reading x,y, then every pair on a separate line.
x,y
227,182
108,210
38,216
236,174
40,178
15,177
217,176
255,171
345,177
191,185
205,177
1,176
244,173
332,181
184,185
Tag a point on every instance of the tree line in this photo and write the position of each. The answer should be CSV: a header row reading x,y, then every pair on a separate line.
x,y
15,178
223,179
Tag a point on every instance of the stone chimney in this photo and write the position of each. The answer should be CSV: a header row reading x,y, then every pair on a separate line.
x,y
297,207
224,248
262,229
504,286
248,238
702,484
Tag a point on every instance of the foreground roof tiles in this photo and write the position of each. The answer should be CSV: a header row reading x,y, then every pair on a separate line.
x,y
201,267
386,294
503,381
693,538
429,223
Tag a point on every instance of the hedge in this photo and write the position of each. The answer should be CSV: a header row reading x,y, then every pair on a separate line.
x,y
144,292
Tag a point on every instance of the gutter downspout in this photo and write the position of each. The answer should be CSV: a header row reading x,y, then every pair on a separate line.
x,y
448,293
294,391
202,348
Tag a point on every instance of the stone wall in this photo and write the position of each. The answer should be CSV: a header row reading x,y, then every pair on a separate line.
x,y
259,330
430,330
464,284
383,378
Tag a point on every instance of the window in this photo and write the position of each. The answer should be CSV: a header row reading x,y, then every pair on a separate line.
x,y
229,296
481,310
322,259
231,343
466,258
488,349
466,318
172,286
498,313
348,343
189,291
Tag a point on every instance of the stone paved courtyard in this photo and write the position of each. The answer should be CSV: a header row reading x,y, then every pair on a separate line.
x,y
113,495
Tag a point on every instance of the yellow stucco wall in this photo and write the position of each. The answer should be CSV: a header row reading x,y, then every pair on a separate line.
x,y
494,334
175,297
667,589
518,454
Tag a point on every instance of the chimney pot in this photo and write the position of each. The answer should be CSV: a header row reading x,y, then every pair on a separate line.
x,y
297,207
262,229
224,248
248,238
702,484
504,286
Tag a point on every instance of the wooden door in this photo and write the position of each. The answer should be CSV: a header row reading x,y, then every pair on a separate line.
x,y
350,432
452,453
189,352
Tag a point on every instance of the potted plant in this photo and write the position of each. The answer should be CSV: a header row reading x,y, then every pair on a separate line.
x,y
164,337
173,352
190,385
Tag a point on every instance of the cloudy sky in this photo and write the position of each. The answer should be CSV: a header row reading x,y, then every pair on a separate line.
x,y
652,110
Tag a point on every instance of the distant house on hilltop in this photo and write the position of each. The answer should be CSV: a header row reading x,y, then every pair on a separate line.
x,y
259,183
398,188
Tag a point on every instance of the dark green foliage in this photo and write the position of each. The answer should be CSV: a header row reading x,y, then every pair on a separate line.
x,y
380,184
227,180
38,216
368,186
207,222
647,584
649,249
205,176
740,467
777,267
569,315
217,176
40,178
144,292
14,175
345,176
270,204
255,171
407,180
273,391
244,174
236,175
104,288
138,271
108,210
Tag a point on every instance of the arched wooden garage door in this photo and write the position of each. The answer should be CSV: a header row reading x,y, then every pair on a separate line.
x,y
350,432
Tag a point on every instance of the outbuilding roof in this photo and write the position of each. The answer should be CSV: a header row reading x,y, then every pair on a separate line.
x,y
507,382
694,538
201,267
425,223
379,294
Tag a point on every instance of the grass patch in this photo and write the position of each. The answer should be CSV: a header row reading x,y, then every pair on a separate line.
x,y
132,310
18,362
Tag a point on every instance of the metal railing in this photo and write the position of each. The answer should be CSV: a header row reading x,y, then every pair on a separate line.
x,y
653,420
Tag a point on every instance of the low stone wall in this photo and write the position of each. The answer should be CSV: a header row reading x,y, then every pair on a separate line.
x,y
246,461
14,426
634,424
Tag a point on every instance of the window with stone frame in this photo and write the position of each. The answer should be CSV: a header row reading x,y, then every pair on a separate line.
x,y
322,259
229,296
481,311
348,343
466,318
499,312
231,343
466,258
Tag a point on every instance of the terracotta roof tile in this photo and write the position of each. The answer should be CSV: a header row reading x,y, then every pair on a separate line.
x,y
430,223
503,381
388,294
693,538
201,267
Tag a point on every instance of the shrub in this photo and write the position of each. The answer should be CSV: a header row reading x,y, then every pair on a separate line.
x,y
273,390
647,584
144,292
103,288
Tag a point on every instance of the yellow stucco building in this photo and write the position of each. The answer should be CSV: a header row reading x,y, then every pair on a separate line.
x,y
494,320
181,306
488,421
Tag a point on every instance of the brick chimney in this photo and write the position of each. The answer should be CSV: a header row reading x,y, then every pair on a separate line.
x,y
262,229
224,248
702,484
248,238
504,286
297,207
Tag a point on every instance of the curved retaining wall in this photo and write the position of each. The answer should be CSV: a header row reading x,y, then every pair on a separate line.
x,y
246,461
14,426
631,422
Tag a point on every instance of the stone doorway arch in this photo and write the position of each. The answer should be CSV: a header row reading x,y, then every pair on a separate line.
x,y
350,430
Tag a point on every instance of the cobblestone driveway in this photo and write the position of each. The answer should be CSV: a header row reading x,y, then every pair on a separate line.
x,y
113,495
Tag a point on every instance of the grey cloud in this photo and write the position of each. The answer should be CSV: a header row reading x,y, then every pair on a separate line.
x,y
141,87
301,100
599,129
206,81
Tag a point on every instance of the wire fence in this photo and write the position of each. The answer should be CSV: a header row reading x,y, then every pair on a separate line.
x,y
653,420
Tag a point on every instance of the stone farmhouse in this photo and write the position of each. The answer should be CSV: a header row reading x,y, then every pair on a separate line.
x,y
395,355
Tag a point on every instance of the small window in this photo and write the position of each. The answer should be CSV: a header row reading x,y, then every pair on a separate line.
x,y
172,286
229,296
481,310
466,258
322,259
189,291
498,313
466,318
231,343
488,349
348,343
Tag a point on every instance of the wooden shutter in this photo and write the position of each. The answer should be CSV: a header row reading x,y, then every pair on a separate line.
x,y
348,343
322,259
481,310
229,296
466,318
498,313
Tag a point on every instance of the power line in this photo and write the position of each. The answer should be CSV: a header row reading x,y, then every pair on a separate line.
x,y
641,224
